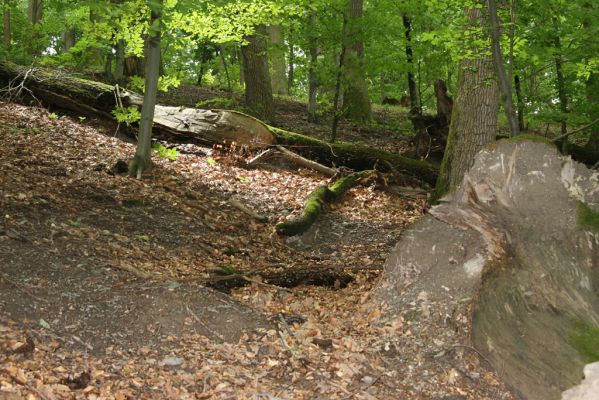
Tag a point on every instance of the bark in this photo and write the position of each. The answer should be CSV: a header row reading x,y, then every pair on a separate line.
x,y
504,83
356,103
520,102
241,68
291,70
415,109
68,39
6,25
223,62
316,201
277,60
119,67
341,66
35,11
312,64
142,159
474,117
560,84
258,89
134,66
190,125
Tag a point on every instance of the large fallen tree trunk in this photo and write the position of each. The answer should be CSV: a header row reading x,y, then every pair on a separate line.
x,y
194,125
506,268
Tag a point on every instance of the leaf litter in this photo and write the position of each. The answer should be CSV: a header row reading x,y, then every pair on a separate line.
x,y
59,194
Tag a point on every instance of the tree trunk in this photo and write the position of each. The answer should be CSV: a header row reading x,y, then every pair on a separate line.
x,y
520,102
6,25
312,64
560,83
356,103
291,70
134,66
504,83
592,87
119,68
68,39
338,113
474,116
241,67
415,109
142,159
35,11
277,60
258,89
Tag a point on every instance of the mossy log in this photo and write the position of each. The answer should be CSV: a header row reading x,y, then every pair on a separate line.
x,y
356,156
188,125
316,201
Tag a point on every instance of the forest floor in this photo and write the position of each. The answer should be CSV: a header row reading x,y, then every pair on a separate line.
x,y
83,249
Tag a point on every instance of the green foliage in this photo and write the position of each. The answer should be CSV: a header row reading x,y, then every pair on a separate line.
x,y
585,339
127,115
165,152
211,162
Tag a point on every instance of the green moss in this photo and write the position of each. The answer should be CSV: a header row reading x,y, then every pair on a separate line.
x,y
585,339
587,217
528,138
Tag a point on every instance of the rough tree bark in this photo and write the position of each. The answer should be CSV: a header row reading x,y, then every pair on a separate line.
x,y
504,82
356,103
415,109
474,116
277,60
258,89
142,159
6,24
312,64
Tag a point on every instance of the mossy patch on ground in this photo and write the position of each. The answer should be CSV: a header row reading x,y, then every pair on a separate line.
x,y
587,217
585,339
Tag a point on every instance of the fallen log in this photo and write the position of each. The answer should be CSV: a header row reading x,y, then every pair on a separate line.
x,y
316,201
203,126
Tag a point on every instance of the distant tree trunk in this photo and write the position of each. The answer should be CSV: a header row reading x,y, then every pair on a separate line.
x,y
35,11
142,159
291,70
134,65
336,110
68,39
223,61
241,68
356,103
504,84
560,83
474,116
6,25
108,66
592,87
312,64
444,102
258,89
119,68
520,102
277,60
415,109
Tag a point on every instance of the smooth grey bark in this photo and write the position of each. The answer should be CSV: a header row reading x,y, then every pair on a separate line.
x,y
258,88
142,159
504,84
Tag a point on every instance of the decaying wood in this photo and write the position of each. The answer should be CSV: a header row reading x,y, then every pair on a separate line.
x,y
206,126
242,207
316,201
304,162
